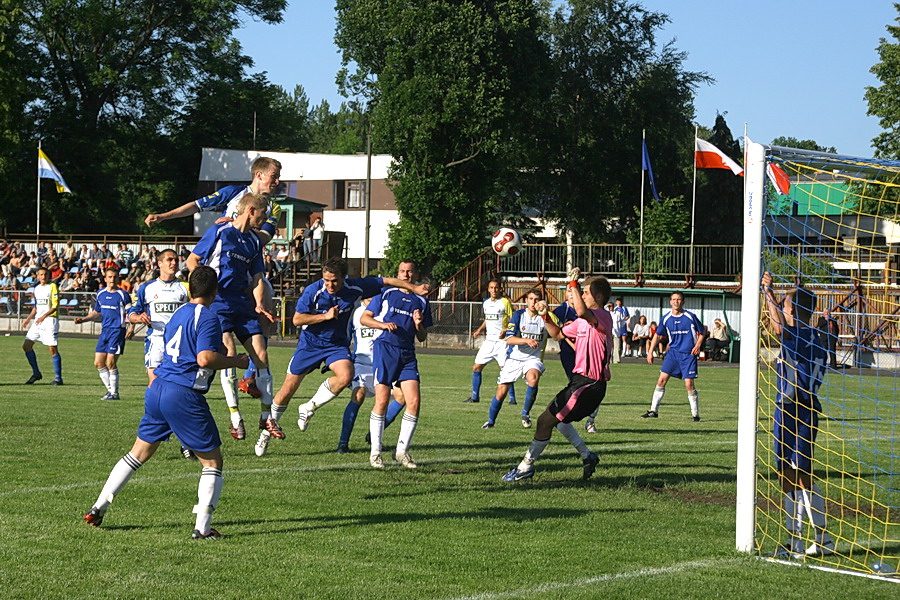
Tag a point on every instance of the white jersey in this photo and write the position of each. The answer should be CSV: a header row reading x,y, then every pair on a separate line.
x,y
523,325
363,337
160,299
496,317
46,298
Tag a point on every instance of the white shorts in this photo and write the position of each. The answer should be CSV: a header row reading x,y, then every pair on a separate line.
x,y
46,333
364,377
153,351
492,350
514,370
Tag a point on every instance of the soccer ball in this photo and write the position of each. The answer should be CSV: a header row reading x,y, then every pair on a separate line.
x,y
506,242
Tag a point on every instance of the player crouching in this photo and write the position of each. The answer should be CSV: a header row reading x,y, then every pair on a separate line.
x,y
592,331
175,403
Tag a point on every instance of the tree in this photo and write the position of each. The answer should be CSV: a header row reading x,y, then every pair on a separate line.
x,y
720,194
884,100
342,132
792,142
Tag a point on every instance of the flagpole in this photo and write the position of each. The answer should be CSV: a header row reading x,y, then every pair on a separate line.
x,y
38,229
694,200
643,177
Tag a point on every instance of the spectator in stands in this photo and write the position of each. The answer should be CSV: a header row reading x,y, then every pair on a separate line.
x,y
124,257
282,259
96,257
151,258
30,265
829,333
68,256
79,282
84,257
270,266
718,339
318,233
56,272
67,284
6,250
307,243
41,251
51,258
15,263
297,243
640,337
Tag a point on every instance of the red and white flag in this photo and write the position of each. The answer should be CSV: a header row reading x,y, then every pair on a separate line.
x,y
707,156
779,179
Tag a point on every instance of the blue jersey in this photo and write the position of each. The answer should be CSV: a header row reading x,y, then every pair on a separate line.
x,y
316,300
682,330
235,255
394,305
112,306
565,313
191,330
801,365
227,199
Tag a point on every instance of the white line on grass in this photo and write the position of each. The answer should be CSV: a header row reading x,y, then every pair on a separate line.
x,y
642,573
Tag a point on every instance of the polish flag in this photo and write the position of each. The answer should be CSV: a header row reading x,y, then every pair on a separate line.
x,y
779,178
707,156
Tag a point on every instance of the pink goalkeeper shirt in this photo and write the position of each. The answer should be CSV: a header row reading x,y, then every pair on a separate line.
x,y
593,344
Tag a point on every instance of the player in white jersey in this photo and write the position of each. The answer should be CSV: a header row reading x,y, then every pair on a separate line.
x,y
497,312
44,327
526,338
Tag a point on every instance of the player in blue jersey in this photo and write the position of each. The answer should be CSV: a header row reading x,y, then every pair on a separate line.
x,y
265,173
175,403
800,367
685,334
235,252
403,318
111,306
323,312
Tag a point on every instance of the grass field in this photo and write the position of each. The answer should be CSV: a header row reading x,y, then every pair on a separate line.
x,y
656,521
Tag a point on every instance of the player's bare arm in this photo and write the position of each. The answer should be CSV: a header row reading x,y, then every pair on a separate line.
x,y
184,210
139,318
653,343
421,289
301,319
209,359
518,341
91,316
193,261
776,316
259,294
480,330
421,330
368,320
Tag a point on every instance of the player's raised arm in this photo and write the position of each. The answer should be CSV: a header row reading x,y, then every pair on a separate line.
x,y
184,210
776,314
420,289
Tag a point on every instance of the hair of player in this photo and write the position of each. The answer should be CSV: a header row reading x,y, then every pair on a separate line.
x,y
537,292
804,301
679,293
338,266
203,282
39,269
251,199
112,270
600,290
263,164
495,280
409,261
159,255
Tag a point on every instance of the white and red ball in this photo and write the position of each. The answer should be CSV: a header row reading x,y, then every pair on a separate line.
x,y
506,242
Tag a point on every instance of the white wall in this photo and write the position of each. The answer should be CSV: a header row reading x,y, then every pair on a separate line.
x,y
353,223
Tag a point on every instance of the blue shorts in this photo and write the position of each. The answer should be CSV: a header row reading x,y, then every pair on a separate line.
x,y
796,427
680,365
237,314
111,341
309,355
172,408
393,364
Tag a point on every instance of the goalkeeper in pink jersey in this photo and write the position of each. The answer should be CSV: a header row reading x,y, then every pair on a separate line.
x,y
592,332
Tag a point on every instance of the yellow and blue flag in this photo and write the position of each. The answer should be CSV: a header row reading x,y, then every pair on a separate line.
x,y
47,170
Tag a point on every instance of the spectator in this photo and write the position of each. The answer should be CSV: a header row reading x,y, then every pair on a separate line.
x,y
640,338
56,272
297,243
67,284
318,232
68,256
41,251
6,250
718,339
307,244
30,265
84,257
96,257
281,259
270,266
125,257
829,332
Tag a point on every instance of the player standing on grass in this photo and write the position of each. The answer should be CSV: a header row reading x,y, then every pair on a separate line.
x,y
111,306
175,403
497,312
323,312
234,251
403,318
685,334
526,338
44,327
801,367
592,331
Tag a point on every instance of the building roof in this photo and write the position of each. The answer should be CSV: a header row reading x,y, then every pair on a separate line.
x,y
219,164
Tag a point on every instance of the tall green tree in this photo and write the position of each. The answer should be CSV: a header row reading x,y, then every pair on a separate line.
x,y
792,142
884,100
341,132
720,194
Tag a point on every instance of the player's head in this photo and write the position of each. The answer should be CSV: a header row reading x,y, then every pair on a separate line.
x,y
266,174
255,206
111,277
532,298
334,270
801,302
676,300
43,275
168,263
597,292
619,302
407,270
203,283
495,290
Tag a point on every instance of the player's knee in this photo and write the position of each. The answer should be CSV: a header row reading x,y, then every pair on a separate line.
x,y
477,368
545,424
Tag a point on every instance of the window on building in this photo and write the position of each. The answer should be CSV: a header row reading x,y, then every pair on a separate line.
x,y
356,194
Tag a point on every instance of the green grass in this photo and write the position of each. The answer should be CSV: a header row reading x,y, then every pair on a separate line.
x,y
656,521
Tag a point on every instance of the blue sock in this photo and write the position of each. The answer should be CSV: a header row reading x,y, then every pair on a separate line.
x,y
393,409
476,384
512,393
349,421
57,365
251,370
32,360
496,405
530,397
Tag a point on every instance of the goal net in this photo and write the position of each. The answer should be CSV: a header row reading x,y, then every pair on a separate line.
x,y
829,224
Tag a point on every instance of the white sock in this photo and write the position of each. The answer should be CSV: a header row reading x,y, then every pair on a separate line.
x,y
277,411
376,432
228,377
694,401
407,429
264,384
569,431
104,377
658,394
208,491
791,522
114,381
117,479
533,453
322,396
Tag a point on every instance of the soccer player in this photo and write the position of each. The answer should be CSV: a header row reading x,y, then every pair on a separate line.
x,y
111,306
235,252
592,331
403,318
497,311
265,173
323,311
685,334
175,403
44,327
800,367
526,338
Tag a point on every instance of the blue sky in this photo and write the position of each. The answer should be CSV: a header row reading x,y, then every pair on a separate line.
x,y
793,68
